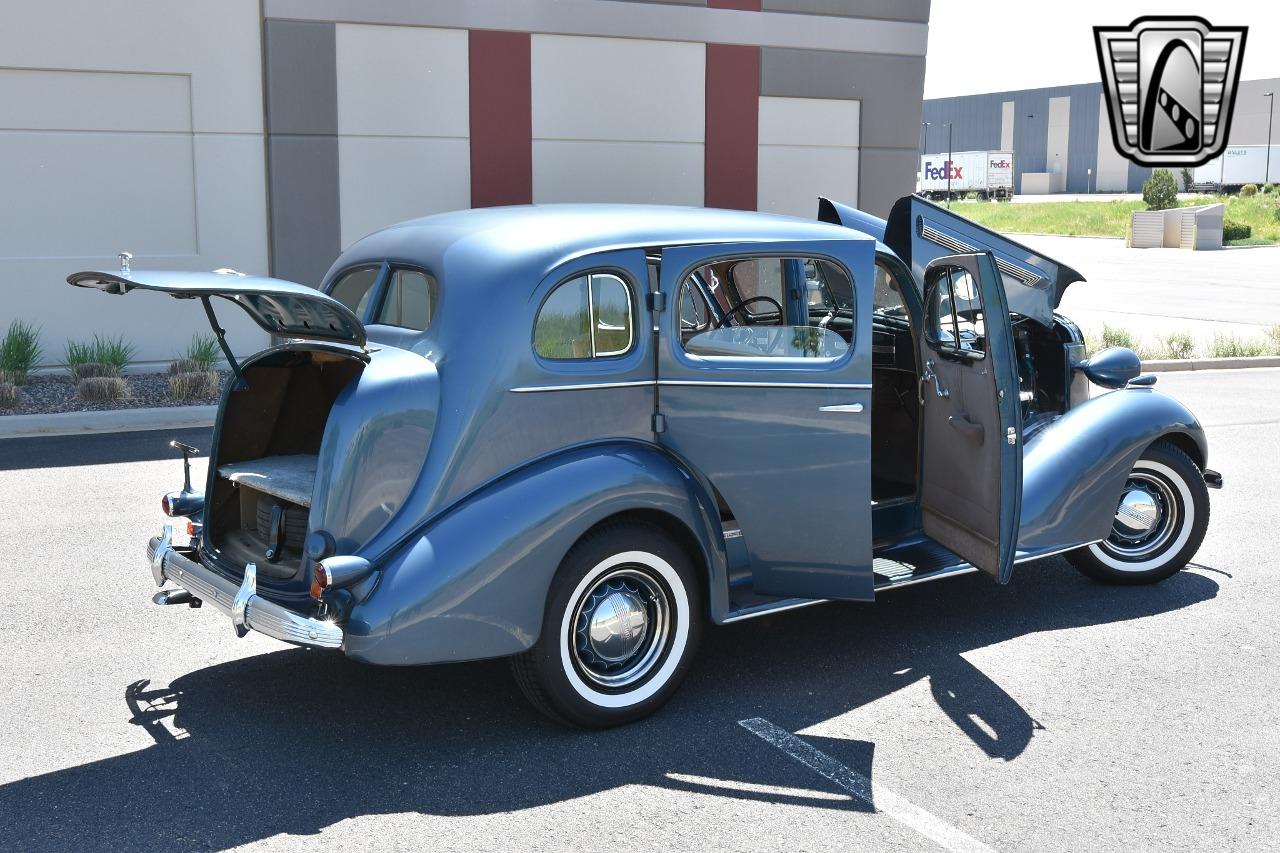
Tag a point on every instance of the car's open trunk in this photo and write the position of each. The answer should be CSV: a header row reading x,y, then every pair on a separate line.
x,y
265,465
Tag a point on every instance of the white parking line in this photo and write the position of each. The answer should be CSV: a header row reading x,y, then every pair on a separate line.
x,y
877,796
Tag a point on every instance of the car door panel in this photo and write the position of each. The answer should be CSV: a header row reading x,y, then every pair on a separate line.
x,y
784,441
971,472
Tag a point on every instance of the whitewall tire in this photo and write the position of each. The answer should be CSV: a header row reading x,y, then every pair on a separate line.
x,y
623,617
1160,521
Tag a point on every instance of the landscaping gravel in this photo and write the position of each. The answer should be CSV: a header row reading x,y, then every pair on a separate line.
x,y
44,395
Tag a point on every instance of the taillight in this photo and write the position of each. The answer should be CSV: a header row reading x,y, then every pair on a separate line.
x,y
193,528
319,580
166,505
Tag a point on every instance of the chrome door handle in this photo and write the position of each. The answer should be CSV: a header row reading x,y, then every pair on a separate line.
x,y
843,407
937,386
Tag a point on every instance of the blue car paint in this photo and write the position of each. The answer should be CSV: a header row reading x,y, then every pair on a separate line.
x,y
466,555
474,583
1075,467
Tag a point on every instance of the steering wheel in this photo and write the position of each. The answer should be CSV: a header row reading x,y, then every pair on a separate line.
x,y
744,303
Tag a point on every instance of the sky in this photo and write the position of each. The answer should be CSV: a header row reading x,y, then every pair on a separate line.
x,y
978,46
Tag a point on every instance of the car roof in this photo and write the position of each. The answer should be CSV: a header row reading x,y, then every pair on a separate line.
x,y
530,240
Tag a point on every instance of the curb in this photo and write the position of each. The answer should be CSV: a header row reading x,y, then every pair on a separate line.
x,y
118,420
1179,364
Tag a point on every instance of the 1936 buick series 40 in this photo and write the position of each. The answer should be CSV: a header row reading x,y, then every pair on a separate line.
x,y
573,435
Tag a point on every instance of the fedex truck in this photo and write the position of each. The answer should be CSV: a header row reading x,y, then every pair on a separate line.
x,y
988,173
1236,166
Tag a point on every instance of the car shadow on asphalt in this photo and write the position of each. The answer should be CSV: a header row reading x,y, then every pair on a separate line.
x,y
294,741
66,451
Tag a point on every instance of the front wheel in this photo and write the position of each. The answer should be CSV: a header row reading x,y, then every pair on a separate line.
x,y
1159,523
622,620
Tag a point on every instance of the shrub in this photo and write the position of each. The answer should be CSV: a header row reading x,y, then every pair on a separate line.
x,y
113,352
76,354
1248,190
92,370
186,365
20,351
102,389
10,396
1115,336
1178,345
1235,231
1229,346
1159,191
203,351
193,386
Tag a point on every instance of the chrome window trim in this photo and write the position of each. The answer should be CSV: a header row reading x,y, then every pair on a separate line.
x,y
595,324
593,386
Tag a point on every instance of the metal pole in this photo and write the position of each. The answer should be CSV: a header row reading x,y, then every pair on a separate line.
x,y
949,165
1271,114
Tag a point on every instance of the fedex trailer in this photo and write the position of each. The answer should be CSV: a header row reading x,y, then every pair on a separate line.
x,y
1236,166
988,173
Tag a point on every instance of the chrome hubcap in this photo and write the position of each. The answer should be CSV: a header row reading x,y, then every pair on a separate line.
x,y
620,628
1146,519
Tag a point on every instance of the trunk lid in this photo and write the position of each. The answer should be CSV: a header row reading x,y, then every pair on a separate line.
x,y
280,307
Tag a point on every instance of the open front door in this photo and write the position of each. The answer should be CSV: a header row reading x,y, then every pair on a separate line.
x,y
971,477
764,390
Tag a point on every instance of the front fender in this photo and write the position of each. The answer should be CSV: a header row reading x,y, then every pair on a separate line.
x,y
1074,469
474,583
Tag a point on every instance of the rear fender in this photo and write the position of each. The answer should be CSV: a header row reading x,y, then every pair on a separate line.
x,y
1074,469
474,583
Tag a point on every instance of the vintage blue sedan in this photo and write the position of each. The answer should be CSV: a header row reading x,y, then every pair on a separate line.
x,y
575,435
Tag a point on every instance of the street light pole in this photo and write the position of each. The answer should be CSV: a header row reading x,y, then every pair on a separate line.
x,y
949,165
1271,113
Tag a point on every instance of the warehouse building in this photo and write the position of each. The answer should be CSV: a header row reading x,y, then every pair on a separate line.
x,y
268,135
1061,136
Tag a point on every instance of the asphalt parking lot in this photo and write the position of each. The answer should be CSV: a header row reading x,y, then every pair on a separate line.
x,y
1053,714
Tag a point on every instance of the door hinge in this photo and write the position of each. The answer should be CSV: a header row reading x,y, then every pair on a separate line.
x,y
659,422
1011,435
657,301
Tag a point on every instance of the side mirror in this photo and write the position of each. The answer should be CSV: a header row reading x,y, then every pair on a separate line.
x,y
1113,367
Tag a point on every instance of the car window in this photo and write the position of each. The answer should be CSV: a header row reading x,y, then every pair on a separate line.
x,y
886,298
758,300
410,300
957,320
354,289
589,316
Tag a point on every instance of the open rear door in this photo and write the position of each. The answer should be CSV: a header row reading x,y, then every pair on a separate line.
x,y
971,472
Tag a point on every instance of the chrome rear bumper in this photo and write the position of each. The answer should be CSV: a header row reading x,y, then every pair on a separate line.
x,y
247,609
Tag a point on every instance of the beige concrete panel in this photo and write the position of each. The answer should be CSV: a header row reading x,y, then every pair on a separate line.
x,y
642,172
1057,139
627,20
617,89
793,177
384,180
218,44
1113,169
1006,125
86,100
69,194
405,81
809,121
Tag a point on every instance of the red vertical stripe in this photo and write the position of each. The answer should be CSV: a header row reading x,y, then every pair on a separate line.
x,y
501,119
733,131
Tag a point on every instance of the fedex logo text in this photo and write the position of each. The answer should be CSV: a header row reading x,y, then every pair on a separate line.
x,y
999,164
942,172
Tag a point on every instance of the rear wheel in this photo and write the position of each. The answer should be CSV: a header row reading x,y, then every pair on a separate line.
x,y
622,621
1159,523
